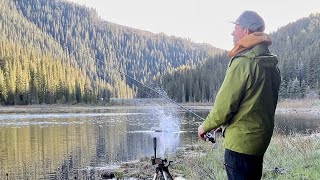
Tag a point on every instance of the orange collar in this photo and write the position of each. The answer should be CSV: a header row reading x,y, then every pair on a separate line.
x,y
249,41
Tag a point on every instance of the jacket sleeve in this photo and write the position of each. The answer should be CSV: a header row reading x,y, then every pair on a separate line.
x,y
229,96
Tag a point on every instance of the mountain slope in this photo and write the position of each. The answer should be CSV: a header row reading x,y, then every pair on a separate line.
x,y
99,45
78,39
35,70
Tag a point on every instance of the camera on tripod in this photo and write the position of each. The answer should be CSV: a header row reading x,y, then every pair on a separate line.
x,y
163,164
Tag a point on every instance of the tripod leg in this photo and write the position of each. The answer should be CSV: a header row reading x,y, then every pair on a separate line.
x,y
155,176
161,175
167,175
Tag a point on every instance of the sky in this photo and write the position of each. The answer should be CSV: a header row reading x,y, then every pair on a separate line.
x,y
203,21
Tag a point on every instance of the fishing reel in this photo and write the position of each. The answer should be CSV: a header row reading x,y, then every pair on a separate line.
x,y
212,136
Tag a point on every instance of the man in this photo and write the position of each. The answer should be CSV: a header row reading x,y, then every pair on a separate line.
x,y
246,102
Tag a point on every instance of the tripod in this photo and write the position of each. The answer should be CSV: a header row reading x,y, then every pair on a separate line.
x,y
162,171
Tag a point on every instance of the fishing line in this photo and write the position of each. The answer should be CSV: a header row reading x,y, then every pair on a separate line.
x,y
159,93
49,37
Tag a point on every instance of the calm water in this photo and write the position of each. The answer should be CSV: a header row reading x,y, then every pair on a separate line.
x,y
65,146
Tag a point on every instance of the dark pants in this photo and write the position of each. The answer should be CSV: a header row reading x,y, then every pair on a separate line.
x,y
242,166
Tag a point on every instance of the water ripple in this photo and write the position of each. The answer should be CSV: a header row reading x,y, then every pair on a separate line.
x,y
66,115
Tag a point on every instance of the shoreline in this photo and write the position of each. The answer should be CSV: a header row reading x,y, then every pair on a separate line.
x,y
288,106
190,161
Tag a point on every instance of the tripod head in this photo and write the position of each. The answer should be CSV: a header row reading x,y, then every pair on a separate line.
x,y
155,160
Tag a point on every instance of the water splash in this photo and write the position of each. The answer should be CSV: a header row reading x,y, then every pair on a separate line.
x,y
166,129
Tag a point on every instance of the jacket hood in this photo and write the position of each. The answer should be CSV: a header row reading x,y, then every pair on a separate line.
x,y
261,54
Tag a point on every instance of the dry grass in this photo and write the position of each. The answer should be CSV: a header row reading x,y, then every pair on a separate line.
x,y
299,103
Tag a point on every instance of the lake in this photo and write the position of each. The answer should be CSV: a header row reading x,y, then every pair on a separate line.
x,y
77,145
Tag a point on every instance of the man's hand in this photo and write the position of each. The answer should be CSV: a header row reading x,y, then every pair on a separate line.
x,y
201,133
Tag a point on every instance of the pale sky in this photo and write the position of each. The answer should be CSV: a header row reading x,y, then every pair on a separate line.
x,y
204,21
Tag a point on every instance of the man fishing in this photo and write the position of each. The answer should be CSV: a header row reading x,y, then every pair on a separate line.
x,y
246,102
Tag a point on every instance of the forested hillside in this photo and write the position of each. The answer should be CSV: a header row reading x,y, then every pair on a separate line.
x,y
195,83
54,51
87,48
297,46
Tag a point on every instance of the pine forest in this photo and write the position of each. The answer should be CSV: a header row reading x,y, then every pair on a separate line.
x,y
54,51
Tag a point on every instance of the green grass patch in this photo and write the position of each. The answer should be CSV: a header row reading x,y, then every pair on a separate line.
x,y
288,157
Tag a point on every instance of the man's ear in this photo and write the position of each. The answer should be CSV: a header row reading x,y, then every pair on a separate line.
x,y
247,31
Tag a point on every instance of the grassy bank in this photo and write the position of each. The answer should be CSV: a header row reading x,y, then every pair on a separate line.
x,y
288,157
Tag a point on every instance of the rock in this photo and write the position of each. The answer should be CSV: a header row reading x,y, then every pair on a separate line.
x,y
108,175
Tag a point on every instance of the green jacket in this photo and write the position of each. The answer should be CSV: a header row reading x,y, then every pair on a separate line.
x,y
246,101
